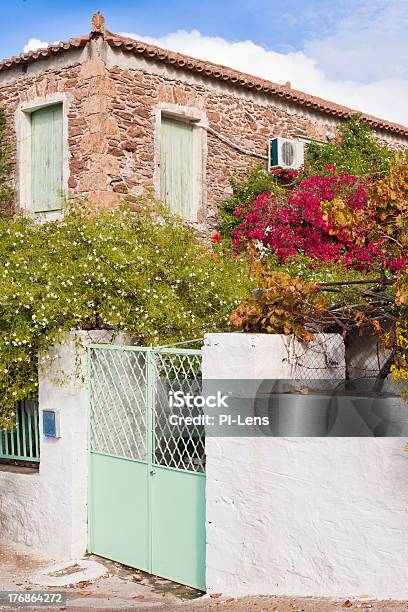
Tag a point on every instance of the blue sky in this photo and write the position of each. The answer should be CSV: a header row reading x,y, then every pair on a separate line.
x,y
351,51
257,20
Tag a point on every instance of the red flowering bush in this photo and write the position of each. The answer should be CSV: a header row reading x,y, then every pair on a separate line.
x,y
329,248
322,217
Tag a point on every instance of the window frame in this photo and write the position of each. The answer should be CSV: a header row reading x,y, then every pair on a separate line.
x,y
196,118
23,131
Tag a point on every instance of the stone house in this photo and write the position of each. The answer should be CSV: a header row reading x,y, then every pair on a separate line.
x,y
102,115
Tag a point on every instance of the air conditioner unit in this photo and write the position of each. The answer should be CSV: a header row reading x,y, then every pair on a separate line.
x,y
285,153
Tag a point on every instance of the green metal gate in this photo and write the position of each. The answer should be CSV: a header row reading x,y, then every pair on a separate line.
x,y
147,476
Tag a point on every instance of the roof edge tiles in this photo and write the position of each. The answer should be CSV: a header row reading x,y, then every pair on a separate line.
x,y
208,69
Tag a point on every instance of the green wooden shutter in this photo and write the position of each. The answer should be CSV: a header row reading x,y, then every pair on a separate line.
x,y
177,166
46,159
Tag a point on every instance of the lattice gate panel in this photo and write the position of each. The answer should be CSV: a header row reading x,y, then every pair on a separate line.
x,y
177,446
118,403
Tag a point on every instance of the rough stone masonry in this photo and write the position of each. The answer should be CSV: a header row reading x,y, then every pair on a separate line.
x,y
114,90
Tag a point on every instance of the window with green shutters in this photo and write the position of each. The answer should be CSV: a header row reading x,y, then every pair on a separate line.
x,y
46,159
177,166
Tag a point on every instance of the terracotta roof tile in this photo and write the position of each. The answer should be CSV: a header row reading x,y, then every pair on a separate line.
x,y
30,56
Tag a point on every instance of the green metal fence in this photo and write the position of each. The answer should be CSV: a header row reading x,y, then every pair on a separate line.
x,y
22,444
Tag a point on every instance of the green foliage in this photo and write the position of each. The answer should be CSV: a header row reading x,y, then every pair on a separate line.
x,y
312,271
358,152
5,165
145,274
399,369
255,181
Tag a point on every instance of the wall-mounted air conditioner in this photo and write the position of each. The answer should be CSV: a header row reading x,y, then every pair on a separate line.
x,y
285,153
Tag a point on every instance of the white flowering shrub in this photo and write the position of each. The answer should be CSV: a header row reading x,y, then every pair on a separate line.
x,y
142,273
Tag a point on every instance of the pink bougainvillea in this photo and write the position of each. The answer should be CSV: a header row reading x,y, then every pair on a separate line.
x,y
299,224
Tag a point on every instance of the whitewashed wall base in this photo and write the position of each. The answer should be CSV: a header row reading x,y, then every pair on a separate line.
x,y
47,511
301,516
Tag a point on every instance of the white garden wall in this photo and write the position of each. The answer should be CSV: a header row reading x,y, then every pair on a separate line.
x,y
301,516
47,510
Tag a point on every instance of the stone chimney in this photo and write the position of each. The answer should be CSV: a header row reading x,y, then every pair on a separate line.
x,y
98,23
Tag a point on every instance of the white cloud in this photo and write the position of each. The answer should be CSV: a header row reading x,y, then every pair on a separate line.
x,y
368,42
33,44
384,96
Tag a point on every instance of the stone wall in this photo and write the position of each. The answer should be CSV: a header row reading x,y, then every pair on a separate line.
x,y
18,88
243,119
114,100
81,78
247,119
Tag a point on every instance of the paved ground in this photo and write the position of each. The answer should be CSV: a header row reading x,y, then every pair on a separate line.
x,y
123,587
127,589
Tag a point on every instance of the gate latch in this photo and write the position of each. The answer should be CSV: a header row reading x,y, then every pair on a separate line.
x,y
152,472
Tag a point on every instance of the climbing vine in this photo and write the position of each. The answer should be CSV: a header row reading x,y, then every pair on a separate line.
x,y
355,151
5,164
144,274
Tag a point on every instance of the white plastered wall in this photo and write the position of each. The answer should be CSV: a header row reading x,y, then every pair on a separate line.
x,y
301,516
46,511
